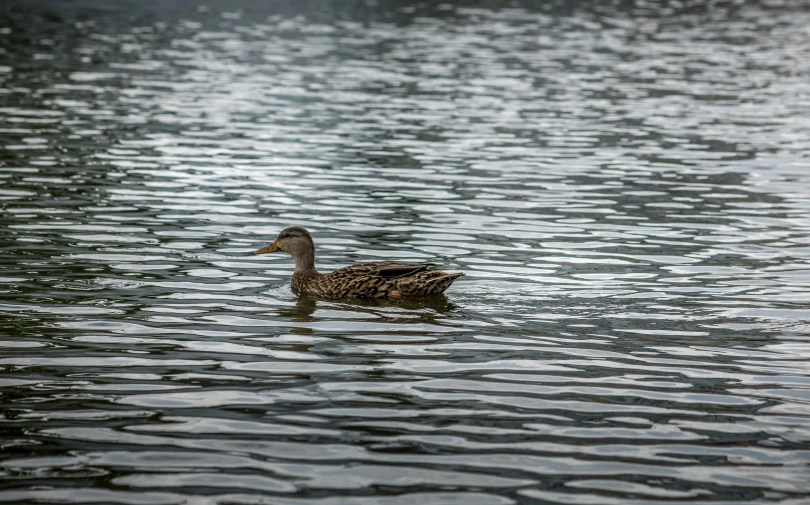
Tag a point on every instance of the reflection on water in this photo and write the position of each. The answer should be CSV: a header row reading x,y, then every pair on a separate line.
x,y
626,189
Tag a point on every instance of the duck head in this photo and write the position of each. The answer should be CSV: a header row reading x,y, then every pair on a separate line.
x,y
296,242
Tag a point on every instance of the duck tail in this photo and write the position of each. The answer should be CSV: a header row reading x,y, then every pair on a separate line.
x,y
427,283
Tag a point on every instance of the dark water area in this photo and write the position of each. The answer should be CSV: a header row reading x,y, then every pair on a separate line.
x,y
626,187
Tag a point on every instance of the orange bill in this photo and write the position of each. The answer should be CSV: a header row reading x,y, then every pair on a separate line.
x,y
271,248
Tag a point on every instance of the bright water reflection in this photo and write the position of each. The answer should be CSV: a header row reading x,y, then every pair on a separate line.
x,y
627,190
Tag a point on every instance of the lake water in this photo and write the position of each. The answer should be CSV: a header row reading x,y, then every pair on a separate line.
x,y
627,189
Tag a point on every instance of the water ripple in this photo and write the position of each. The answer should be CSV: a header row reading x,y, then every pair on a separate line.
x,y
624,187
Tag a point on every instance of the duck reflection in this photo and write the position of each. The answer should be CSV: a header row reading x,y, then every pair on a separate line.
x,y
302,311
439,304
305,307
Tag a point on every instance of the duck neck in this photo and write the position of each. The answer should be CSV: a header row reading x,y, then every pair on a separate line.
x,y
305,262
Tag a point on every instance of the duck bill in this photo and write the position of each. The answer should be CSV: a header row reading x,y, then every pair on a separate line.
x,y
269,249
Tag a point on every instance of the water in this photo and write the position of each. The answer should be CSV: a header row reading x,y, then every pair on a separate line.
x,y
627,189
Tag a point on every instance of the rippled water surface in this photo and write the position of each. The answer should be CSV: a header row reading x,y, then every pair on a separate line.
x,y
627,189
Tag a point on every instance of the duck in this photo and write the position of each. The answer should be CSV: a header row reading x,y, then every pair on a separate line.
x,y
379,279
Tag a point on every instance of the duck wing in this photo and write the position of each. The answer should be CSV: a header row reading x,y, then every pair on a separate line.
x,y
384,269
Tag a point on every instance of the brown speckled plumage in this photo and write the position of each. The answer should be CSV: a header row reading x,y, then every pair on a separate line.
x,y
367,280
